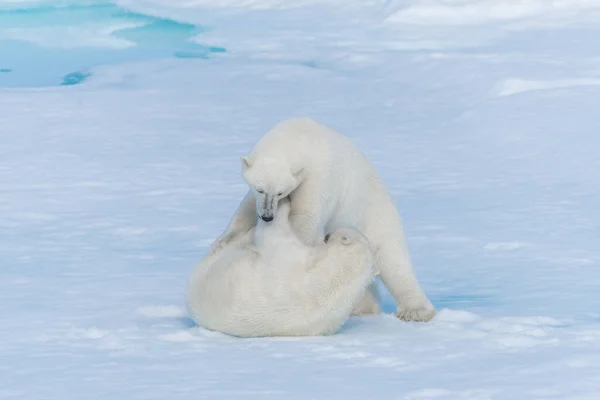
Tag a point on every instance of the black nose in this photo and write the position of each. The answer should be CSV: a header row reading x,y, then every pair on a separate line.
x,y
266,218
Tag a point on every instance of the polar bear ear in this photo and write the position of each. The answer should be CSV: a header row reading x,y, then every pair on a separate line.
x,y
299,173
245,162
346,240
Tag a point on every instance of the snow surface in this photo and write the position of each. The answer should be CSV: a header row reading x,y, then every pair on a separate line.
x,y
484,128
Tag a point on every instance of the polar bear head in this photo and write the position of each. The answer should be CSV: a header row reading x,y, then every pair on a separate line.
x,y
270,179
352,244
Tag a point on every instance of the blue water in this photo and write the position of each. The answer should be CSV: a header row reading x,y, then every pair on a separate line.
x,y
59,45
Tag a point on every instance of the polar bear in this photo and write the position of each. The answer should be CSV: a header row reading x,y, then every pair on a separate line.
x,y
269,283
331,184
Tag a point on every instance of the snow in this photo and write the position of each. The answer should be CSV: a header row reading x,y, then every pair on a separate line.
x,y
514,86
486,136
474,12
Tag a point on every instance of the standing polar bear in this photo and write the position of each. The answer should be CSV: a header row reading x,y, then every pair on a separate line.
x,y
269,283
331,185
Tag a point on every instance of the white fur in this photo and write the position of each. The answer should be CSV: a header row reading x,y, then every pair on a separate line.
x,y
269,283
331,184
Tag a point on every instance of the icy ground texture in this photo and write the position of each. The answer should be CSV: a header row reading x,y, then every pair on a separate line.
x,y
486,134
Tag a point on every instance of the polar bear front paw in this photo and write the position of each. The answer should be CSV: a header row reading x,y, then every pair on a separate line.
x,y
415,315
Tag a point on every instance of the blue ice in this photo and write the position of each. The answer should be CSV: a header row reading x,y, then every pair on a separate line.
x,y
49,45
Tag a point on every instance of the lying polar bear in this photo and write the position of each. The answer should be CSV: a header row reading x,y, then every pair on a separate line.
x,y
269,283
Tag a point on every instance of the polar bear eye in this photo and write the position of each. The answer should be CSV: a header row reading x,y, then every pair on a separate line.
x,y
280,194
346,240
260,191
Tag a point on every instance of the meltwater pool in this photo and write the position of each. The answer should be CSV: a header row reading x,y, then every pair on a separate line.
x,y
58,43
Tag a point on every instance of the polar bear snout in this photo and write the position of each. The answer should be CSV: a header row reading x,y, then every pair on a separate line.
x,y
267,217
266,206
